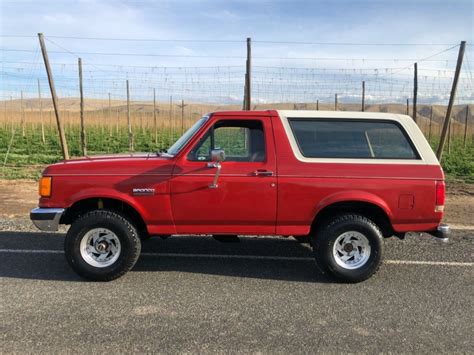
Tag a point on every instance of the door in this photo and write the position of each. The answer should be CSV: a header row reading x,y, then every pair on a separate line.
x,y
244,201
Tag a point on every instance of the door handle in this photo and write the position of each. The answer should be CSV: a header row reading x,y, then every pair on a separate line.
x,y
262,172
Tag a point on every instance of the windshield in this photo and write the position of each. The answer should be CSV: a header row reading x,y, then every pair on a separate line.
x,y
181,142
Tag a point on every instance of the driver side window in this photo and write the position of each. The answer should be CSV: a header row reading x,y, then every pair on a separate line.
x,y
241,140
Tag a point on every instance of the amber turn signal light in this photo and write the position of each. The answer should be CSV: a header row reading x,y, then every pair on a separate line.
x,y
45,186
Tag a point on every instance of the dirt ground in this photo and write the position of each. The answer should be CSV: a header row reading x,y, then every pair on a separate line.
x,y
18,197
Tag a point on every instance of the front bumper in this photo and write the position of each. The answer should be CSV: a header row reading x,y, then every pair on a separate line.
x,y
46,219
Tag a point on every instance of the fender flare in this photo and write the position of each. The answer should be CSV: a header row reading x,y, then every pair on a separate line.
x,y
353,196
110,194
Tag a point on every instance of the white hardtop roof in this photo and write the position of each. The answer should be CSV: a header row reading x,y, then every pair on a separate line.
x,y
342,114
417,137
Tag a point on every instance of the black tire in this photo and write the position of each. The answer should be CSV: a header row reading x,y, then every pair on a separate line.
x,y
144,235
124,230
326,236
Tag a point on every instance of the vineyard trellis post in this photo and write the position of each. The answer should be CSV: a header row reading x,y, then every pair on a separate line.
x,y
408,107
317,105
11,113
244,103
431,122
171,121
81,93
465,127
182,106
110,117
248,77
129,121
363,95
5,114
62,136
155,127
22,115
415,91
335,102
43,139
447,120
449,136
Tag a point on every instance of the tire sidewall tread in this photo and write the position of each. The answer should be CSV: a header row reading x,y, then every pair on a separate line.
x,y
325,237
117,223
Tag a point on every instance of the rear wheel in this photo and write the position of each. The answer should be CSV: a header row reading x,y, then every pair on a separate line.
x,y
102,245
349,247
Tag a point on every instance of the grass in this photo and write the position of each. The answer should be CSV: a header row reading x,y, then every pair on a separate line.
x,y
28,155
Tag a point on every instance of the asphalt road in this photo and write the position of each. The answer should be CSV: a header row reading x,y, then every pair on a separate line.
x,y
190,294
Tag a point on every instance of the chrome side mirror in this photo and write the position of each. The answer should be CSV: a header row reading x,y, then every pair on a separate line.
x,y
217,156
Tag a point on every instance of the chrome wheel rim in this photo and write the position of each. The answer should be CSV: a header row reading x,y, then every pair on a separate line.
x,y
100,247
351,250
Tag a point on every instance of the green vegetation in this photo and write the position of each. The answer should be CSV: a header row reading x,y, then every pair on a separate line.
x,y
458,162
28,155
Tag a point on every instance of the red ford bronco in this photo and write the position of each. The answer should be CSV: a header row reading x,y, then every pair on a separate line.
x,y
345,180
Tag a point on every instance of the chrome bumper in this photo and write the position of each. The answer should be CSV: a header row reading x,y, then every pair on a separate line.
x,y
442,233
46,219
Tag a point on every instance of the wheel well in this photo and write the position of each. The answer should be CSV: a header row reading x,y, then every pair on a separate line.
x,y
369,210
83,206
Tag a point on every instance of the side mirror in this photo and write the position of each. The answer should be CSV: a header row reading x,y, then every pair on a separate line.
x,y
217,155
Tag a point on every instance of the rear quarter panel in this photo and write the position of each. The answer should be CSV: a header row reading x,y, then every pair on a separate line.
x,y
406,192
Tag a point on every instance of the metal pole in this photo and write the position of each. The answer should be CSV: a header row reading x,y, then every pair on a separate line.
x,y
452,97
62,136
317,105
335,102
415,91
363,96
129,121
408,107
81,93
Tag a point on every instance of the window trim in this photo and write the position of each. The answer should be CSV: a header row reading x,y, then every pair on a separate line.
x,y
417,157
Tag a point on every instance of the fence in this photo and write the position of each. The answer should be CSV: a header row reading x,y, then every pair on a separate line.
x,y
173,82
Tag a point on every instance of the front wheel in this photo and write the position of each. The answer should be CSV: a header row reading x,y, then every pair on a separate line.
x,y
102,245
349,247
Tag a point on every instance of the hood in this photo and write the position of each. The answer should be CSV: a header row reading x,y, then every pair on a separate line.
x,y
113,164
112,156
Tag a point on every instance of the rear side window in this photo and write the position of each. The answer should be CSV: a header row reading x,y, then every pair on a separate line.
x,y
361,139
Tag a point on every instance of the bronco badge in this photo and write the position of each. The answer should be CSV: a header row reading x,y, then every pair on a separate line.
x,y
143,191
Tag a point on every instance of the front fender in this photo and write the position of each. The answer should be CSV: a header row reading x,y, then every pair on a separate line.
x,y
106,193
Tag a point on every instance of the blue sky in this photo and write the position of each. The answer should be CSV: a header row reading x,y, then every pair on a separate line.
x,y
364,21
